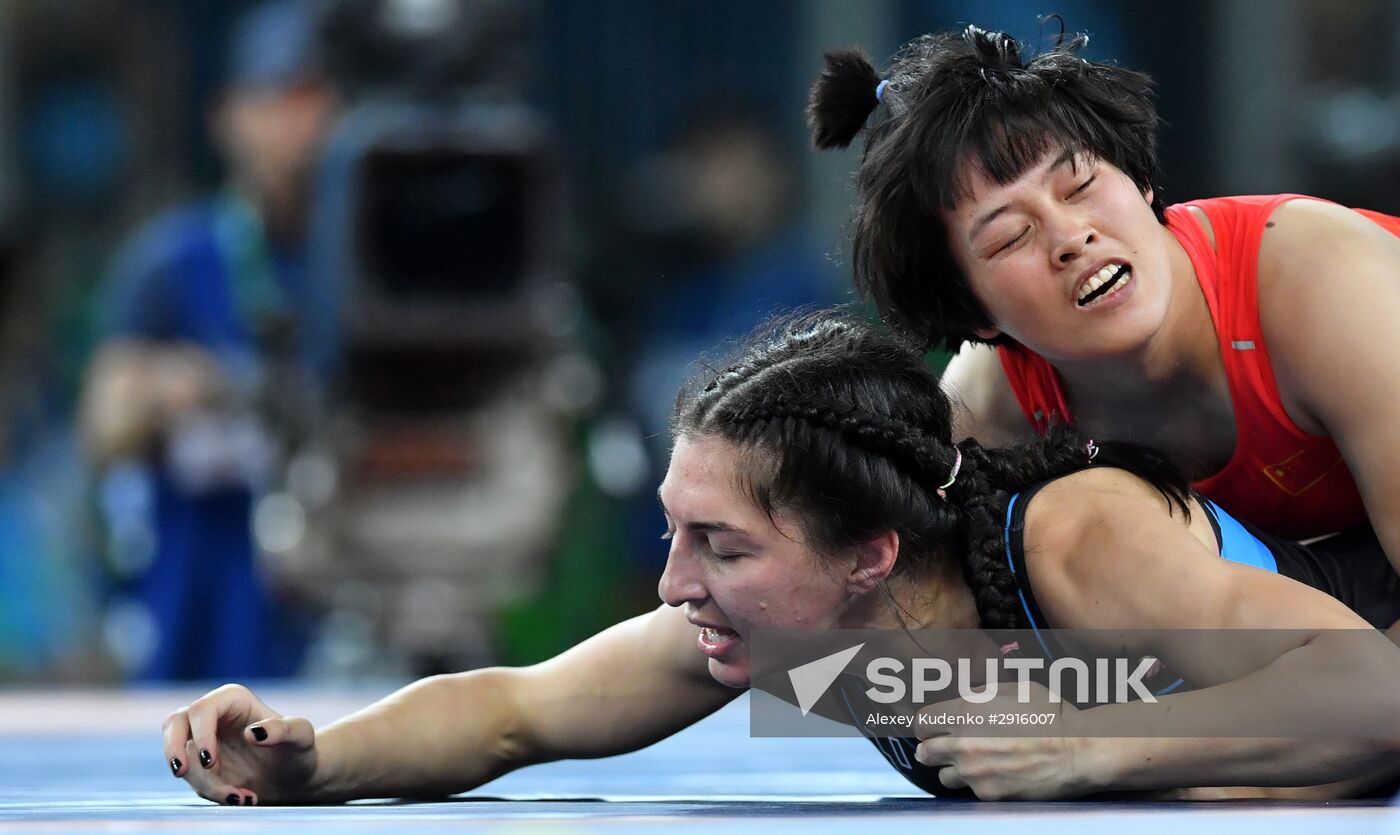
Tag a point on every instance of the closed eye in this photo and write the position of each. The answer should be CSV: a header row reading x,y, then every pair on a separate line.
x,y
1009,244
1083,185
723,553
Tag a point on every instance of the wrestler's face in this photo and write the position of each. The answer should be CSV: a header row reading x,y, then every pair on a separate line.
x,y
1033,249
732,567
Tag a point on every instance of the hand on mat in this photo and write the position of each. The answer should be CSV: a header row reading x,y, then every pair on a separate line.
x,y
234,749
1004,756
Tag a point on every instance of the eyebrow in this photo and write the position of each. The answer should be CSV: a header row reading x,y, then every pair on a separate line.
x,y
700,527
1066,156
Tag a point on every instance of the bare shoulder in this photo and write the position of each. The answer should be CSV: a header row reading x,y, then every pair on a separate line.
x,y
1092,537
1327,276
1301,234
1102,503
1105,550
984,406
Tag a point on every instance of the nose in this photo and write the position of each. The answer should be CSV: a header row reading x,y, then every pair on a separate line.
x,y
1070,238
680,582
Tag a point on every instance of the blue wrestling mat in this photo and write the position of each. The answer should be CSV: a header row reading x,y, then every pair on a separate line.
x,y
92,762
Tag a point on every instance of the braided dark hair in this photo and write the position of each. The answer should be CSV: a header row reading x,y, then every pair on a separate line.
x,y
845,429
954,99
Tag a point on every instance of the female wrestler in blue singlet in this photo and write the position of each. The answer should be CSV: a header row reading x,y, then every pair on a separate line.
x,y
1350,567
814,484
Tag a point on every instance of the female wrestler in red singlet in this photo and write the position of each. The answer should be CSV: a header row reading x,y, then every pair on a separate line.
x,y
1010,203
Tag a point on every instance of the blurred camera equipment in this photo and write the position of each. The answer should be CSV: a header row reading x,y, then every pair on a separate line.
x,y
432,490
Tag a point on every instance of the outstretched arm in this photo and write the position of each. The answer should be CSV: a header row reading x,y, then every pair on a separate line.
x,y
623,689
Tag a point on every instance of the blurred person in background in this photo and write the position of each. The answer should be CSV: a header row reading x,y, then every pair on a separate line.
x,y
713,218
214,335
717,209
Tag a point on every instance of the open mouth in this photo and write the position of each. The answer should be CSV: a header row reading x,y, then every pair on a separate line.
x,y
716,635
1104,283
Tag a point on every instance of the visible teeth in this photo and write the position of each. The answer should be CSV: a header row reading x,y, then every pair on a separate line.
x,y
714,635
1102,277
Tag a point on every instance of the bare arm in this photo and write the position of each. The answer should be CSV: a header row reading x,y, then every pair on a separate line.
x,y
1103,558
625,688
1329,304
984,407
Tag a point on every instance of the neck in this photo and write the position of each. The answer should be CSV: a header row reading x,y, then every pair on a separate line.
x,y
931,600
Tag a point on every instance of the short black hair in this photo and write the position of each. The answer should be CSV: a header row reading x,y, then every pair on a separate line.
x,y
953,99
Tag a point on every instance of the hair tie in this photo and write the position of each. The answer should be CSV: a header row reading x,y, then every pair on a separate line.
x,y
952,476
1091,448
880,90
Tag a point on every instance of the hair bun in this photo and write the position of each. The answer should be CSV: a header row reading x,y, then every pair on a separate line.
x,y
842,98
994,49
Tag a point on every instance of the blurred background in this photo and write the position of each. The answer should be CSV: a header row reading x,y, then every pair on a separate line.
x,y
337,337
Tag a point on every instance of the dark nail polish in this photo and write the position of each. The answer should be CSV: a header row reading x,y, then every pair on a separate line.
x,y
259,732
204,758
175,766
233,800
248,801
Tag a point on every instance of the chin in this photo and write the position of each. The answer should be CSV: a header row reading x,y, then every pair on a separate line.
x,y
1129,334
730,675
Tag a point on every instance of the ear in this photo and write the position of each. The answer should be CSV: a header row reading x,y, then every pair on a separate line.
x,y
874,562
1148,195
987,333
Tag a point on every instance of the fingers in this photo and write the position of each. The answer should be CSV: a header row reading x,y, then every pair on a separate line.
x,y
192,745
941,752
176,733
191,734
203,715
292,731
210,785
927,727
936,751
951,778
